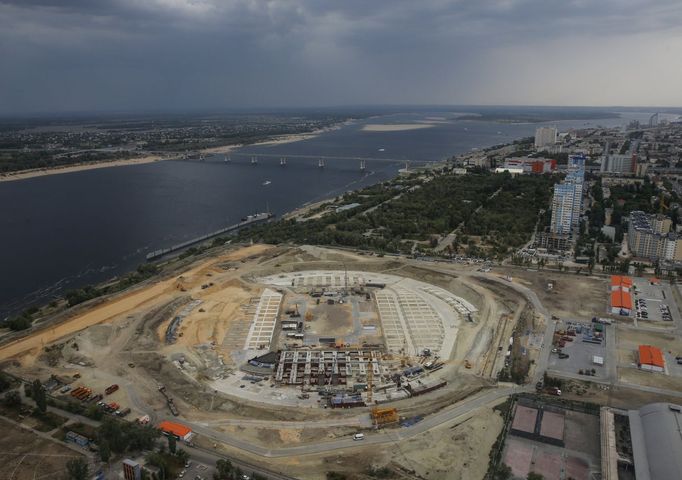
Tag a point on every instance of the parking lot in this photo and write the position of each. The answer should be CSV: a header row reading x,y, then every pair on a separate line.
x,y
582,353
197,471
654,302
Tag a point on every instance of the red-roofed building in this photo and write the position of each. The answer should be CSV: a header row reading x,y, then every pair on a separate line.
x,y
621,299
181,431
651,358
621,282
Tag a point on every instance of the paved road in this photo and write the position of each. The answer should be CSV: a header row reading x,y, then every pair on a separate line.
x,y
210,458
446,415
618,383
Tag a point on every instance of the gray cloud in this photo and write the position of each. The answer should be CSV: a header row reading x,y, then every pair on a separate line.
x,y
126,54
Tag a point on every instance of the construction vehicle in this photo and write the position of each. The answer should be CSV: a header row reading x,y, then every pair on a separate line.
x,y
383,416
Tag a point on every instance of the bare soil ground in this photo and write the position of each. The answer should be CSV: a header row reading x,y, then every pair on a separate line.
x,y
630,339
619,396
452,452
100,342
650,379
331,320
27,456
572,295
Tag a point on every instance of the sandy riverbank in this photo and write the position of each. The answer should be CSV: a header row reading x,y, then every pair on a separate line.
x,y
223,149
382,127
78,167
277,140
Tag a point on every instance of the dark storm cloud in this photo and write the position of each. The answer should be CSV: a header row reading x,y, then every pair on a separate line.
x,y
131,54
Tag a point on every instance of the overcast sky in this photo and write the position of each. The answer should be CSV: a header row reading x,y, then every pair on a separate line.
x,y
82,55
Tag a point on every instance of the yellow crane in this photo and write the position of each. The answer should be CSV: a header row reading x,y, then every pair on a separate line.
x,y
661,203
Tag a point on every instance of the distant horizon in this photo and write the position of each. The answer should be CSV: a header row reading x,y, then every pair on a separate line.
x,y
179,55
388,108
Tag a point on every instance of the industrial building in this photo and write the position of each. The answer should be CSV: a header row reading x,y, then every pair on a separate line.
x,y
649,236
621,298
327,367
650,358
180,431
530,165
655,431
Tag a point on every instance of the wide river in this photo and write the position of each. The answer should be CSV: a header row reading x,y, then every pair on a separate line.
x,y
59,232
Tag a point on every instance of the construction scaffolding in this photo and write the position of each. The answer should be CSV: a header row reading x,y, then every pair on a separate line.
x,y
316,368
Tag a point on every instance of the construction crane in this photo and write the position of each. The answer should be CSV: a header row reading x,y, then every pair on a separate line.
x,y
661,203
370,379
405,358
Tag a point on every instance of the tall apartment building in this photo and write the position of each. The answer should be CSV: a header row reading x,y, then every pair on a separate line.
x,y
567,203
545,136
649,236
619,163
576,162
562,209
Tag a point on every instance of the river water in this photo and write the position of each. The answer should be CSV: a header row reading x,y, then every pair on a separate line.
x,y
60,232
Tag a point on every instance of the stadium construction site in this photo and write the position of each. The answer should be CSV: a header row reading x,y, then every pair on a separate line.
x,y
271,335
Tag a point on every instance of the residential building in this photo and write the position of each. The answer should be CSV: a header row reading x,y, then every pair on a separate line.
x,y
131,470
576,162
545,136
619,163
567,203
650,236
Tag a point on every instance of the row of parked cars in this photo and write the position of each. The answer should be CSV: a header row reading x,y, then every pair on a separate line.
x,y
641,309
